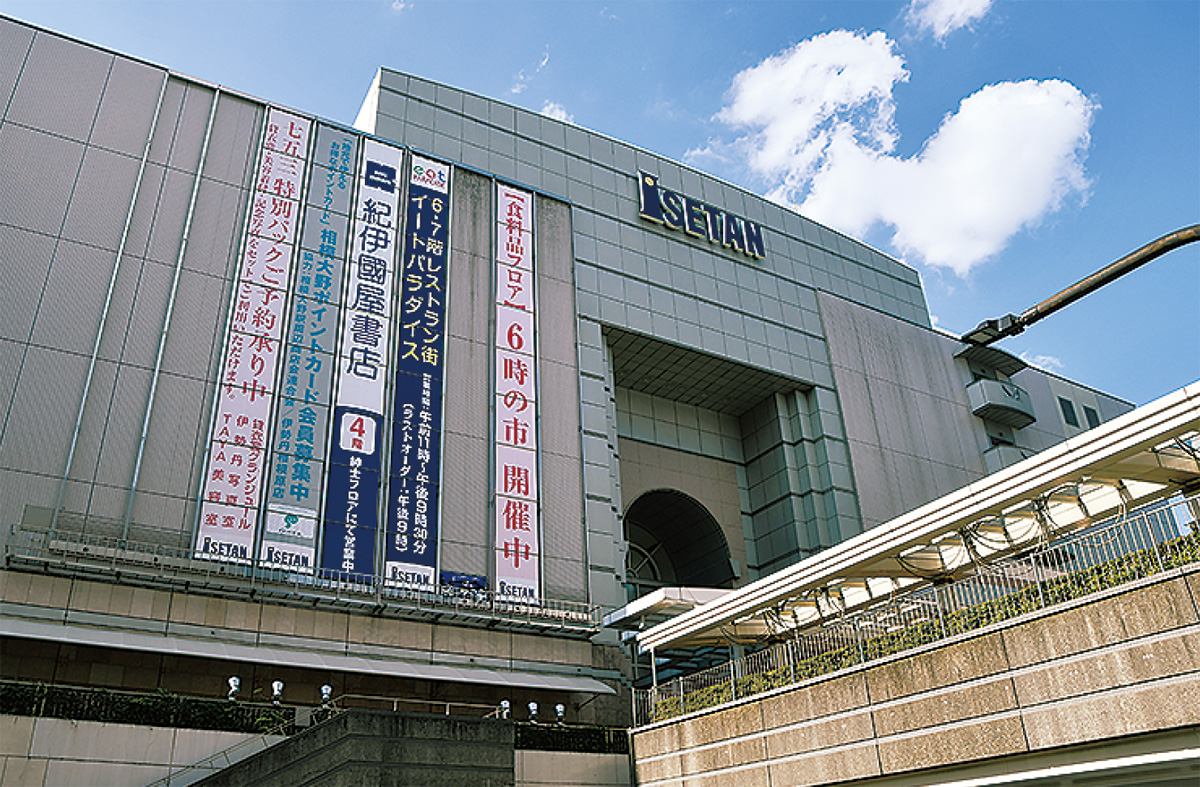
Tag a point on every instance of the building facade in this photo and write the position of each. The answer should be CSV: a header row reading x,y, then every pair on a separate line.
x,y
458,352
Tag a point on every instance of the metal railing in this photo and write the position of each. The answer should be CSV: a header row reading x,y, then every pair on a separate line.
x,y
114,559
155,709
194,772
1132,546
444,707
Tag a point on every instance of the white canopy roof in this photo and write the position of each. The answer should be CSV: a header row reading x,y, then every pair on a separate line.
x,y
1132,460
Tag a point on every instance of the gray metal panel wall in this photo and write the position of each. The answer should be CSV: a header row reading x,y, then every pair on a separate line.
x,y
37,175
70,143
466,520
563,535
73,298
23,282
15,40
60,87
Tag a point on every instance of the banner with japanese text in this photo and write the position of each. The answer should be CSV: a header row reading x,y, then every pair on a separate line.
x,y
351,510
516,492
246,392
415,470
299,443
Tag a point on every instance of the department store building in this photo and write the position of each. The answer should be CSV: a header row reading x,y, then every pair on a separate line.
x,y
407,405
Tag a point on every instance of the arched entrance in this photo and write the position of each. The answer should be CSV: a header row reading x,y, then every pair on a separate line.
x,y
674,541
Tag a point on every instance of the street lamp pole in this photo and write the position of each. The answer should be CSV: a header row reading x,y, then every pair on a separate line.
x,y
990,331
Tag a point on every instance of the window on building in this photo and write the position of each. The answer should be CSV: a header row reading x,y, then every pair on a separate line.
x,y
1091,416
1068,411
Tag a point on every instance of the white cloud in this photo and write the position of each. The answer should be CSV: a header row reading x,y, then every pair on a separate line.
x,y
557,111
943,17
818,132
521,79
795,101
401,5
1010,155
1047,363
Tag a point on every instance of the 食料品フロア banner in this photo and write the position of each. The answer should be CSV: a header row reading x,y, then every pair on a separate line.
x,y
517,528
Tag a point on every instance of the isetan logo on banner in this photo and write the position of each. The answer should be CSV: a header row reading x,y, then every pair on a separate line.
x,y
695,218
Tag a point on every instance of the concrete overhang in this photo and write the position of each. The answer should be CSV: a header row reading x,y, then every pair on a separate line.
x,y
1146,455
288,657
658,606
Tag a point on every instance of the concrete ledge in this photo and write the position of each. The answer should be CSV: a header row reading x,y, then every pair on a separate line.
x,y
1120,664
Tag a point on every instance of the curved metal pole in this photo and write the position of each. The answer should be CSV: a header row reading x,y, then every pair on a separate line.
x,y
989,331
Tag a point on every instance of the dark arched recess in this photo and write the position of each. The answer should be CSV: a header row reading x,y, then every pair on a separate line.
x,y
674,540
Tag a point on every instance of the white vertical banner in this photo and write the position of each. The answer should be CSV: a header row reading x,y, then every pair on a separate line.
x,y
351,518
234,471
516,492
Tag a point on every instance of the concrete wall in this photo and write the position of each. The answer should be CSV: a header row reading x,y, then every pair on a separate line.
x,y
61,753
912,436
386,749
1098,670
554,768
118,608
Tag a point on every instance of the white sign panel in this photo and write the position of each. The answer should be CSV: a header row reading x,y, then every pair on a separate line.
x,y
235,468
516,493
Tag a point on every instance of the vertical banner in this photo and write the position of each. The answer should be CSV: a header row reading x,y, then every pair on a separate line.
x,y
245,393
415,470
299,440
353,472
516,500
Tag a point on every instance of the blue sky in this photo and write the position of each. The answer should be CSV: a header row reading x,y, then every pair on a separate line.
x,y
1004,149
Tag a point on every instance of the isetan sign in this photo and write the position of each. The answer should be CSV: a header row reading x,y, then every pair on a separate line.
x,y
663,206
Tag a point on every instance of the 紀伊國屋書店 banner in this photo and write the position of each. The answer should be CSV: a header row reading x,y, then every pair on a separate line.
x,y
351,506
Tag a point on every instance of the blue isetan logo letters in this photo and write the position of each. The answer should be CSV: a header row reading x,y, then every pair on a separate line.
x,y
677,212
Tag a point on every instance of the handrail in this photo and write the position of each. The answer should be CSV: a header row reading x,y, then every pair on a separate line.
x,y
1128,547
207,763
121,560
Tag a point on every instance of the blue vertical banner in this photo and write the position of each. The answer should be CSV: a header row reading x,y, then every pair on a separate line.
x,y
351,520
415,470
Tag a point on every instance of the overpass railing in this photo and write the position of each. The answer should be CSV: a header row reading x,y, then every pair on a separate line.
x,y
1135,545
107,558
